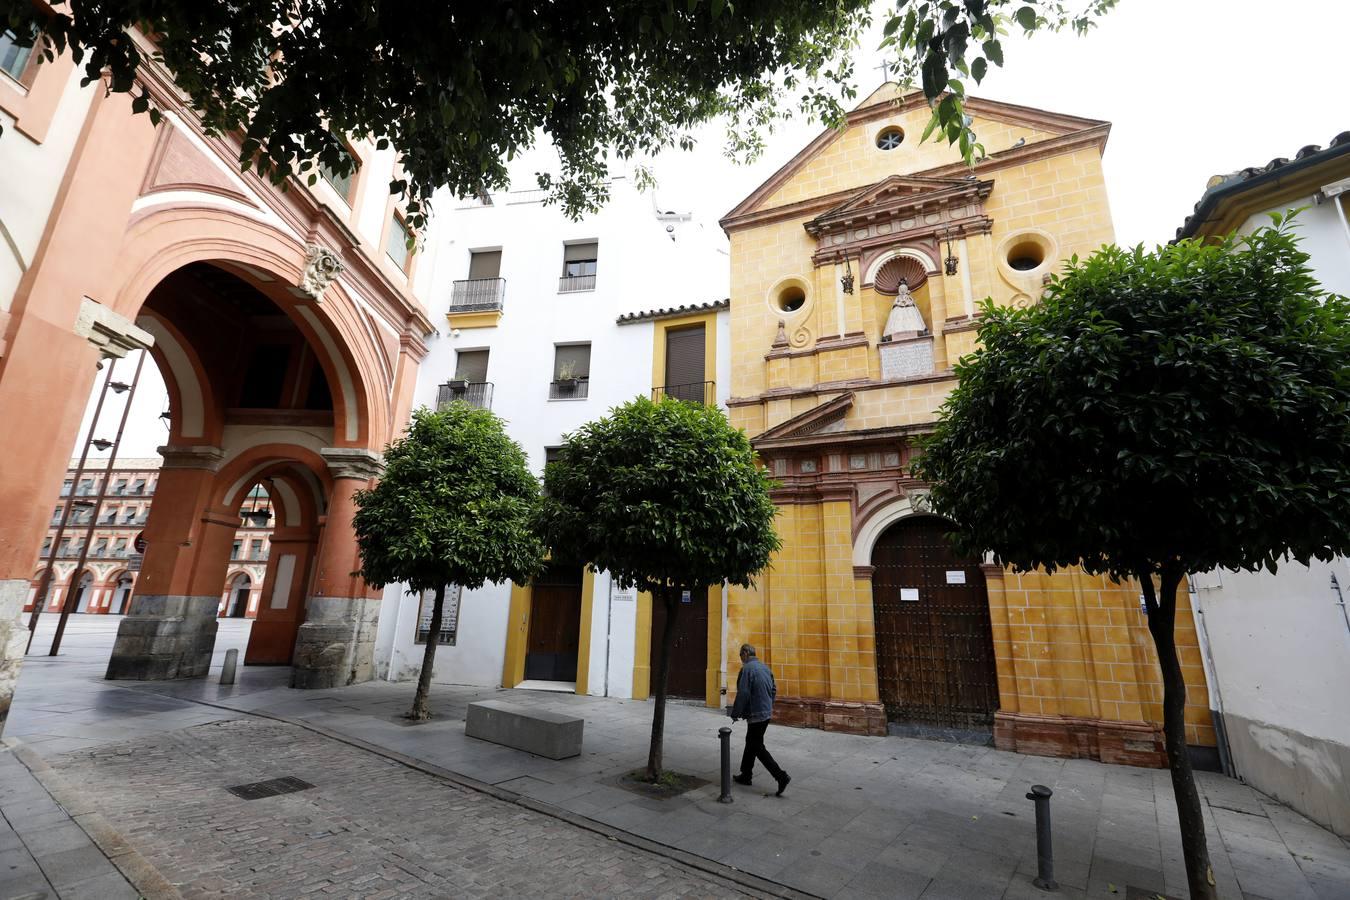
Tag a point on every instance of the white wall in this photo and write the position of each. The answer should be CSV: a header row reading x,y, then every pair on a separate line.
x,y
30,176
639,268
1279,643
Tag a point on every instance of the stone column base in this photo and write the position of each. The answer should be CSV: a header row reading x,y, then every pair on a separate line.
x,y
1125,743
336,643
166,636
848,716
13,639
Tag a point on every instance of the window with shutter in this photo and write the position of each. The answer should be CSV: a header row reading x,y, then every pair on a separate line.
x,y
571,361
685,373
485,264
579,259
471,366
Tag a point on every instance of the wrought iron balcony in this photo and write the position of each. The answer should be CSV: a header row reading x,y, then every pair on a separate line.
x,y
571,283
572,389
704,392
478,295
474,393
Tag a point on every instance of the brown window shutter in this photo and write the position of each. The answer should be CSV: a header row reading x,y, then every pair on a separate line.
x,y
684,356
578,354
471,366
485,264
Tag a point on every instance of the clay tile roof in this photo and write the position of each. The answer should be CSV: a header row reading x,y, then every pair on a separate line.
x,y
1224,185
671,311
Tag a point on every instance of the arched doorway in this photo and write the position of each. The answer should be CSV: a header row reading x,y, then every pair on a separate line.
x,y
121,594
84,593
934,641
236,607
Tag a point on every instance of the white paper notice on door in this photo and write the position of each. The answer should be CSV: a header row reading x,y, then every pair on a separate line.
x,y
956,576
909,595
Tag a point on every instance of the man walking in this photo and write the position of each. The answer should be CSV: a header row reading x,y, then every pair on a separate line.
x,y
755,692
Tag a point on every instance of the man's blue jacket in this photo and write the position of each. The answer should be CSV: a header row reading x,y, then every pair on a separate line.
x,y
755,691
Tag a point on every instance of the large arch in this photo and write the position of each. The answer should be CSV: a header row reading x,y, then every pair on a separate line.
x,y
273,262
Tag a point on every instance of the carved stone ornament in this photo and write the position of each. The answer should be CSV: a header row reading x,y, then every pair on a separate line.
x,y
918,499
321,267
781,339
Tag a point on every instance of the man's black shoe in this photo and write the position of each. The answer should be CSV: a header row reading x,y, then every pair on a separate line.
x,y
783,783
741,779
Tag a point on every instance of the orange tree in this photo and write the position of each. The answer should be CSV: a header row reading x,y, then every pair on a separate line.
x,y
453,507
666,497
1157,413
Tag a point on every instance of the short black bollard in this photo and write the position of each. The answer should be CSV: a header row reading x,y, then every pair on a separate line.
x,y
227,670
1045,859
724,735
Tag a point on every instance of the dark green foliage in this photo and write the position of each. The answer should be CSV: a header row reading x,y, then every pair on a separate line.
x,y
461,88
661,494
666,497
453,506
1157,413
1190,404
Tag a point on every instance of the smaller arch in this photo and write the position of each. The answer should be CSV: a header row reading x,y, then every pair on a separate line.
x,y
875,525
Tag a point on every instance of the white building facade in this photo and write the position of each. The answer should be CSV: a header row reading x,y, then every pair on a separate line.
x,y
1277,645
551,323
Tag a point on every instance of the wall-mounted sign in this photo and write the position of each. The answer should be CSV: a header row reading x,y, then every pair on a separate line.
x,y
138,543
956,576
627,596
685,597
909,595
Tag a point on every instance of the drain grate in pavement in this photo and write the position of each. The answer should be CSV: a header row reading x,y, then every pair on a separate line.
x,y
273,788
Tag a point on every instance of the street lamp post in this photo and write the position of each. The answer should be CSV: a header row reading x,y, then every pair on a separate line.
x,y
69,605
45,584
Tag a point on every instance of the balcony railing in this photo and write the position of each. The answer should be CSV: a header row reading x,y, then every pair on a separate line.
x,y
704,392
570,283
577,389
474,393
478,294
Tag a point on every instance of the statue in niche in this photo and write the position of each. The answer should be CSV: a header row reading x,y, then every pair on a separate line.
x,y
904,319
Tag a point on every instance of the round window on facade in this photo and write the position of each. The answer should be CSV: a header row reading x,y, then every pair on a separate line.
x,y
890,138
1026,255
791,298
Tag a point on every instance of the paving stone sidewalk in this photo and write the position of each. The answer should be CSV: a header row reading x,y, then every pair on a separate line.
x,y
44,852
864,817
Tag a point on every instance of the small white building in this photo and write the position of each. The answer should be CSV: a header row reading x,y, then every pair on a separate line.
x,y
551,323
1278,644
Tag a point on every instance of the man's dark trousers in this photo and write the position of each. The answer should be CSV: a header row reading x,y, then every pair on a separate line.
x,y
754,750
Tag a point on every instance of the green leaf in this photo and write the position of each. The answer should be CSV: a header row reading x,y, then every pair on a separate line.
x,y
1026,17
977,69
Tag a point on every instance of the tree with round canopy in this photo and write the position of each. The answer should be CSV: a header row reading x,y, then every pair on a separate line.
x,y
1157,413
453,507
666,497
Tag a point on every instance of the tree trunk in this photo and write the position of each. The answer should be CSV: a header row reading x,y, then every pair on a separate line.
x,y
671,598
420,711
1162,614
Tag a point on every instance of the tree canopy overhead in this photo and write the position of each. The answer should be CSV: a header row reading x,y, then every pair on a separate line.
x,y
461,88
1158,413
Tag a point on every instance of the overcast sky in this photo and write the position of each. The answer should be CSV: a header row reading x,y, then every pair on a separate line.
x,y
1192,88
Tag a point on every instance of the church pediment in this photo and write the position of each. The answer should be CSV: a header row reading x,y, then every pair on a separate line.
x,y
903,197
826,418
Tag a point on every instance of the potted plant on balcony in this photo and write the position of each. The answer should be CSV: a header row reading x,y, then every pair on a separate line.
x,y
567,375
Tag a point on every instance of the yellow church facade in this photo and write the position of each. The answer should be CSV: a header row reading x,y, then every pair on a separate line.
x,y
857,272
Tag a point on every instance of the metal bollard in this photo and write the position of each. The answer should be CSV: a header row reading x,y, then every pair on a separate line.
x,y
227,671
724,735
1045,858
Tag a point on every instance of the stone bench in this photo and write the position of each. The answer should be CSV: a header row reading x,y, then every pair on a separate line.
x,y
536,731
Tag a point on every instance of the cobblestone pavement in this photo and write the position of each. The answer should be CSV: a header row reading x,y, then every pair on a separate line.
x,y
368,828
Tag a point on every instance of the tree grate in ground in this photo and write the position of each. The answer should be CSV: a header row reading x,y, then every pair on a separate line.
x,y
271,788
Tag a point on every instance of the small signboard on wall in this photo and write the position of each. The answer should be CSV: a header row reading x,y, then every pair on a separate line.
x,y
134,561
685,597
956,576
909,595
